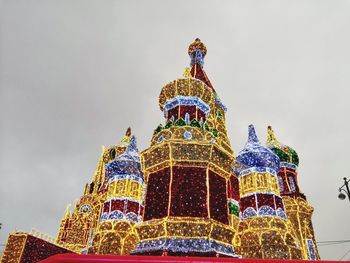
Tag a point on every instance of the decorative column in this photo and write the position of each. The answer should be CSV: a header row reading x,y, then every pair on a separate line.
x,y
187,170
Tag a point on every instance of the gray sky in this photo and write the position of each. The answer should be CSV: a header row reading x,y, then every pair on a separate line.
x,y
75,74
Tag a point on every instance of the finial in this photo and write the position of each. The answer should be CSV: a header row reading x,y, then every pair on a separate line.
x,y
67,211
271,138
197,51
187,73
128,132
126,139
252,134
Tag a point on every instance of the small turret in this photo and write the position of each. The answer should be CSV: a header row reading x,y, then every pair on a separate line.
x,y
297,208
123,199
261,205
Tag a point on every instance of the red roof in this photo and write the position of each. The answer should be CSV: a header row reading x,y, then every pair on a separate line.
x,y
198,73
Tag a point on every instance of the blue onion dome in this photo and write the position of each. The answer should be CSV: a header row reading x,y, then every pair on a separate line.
x,y
255,155
127,164
285,153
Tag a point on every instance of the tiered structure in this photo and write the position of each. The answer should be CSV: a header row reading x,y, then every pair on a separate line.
x,y
103,218
123,204
264,230
187,170
200,199
299,211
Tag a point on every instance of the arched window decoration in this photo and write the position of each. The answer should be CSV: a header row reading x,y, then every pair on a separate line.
x,y
292,184
280,183
249,212
91,187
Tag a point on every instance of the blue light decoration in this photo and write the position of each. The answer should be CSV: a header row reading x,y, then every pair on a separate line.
x,y
187,135
160,139
280,183
219,102
248,212
288,165
125,166
311,249
255,155
186,101
257,159
266,211
292,184
185,245
197,57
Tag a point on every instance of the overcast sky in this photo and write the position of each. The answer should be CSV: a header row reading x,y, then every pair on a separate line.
x,y
75,74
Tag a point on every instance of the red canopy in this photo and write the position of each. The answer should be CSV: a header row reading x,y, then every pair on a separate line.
x,y
71,258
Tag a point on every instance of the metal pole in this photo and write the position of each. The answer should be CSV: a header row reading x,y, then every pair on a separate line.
x,y
346,183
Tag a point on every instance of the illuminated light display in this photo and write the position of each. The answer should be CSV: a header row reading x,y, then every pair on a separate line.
x,y
188,194
123,204
264,227
187,170
23,247
297,208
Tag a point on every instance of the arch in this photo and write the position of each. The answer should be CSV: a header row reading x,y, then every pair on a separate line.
x,y
290,240
271,238
249,239
110,244
106,226
129,244
248,212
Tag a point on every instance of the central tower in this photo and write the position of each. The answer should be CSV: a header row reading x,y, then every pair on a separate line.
x,y
187,170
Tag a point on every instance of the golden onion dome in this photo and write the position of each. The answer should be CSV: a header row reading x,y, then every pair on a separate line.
x,y
285,153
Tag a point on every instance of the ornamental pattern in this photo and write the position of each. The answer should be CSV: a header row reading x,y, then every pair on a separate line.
x,y
188,194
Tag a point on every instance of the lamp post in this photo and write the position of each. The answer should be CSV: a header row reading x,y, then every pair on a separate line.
x,y
342,196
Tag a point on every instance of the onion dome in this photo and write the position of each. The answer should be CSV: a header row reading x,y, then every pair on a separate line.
x,y
286,154
127,164
255,155
197,51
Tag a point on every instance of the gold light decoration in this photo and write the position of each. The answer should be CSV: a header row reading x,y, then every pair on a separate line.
x,y
188,194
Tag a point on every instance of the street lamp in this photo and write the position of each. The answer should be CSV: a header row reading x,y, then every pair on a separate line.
x,y
341,195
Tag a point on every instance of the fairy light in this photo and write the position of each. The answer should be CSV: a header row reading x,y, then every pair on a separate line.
x,y
187,194
299,211
23,247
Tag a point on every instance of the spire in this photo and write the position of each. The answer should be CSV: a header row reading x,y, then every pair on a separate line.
x,y
126,139
255,155
99,171
132,147
197,51
271,138
67,211
252,138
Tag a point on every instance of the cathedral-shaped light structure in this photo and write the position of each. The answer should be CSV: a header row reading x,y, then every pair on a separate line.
x,y
257,167
296,205
123,204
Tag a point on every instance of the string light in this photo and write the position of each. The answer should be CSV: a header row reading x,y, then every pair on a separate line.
x,y
23,247
187,194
